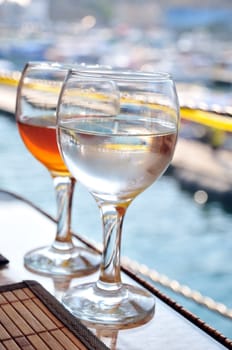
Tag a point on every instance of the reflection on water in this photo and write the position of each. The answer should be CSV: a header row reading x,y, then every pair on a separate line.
x,y
164,227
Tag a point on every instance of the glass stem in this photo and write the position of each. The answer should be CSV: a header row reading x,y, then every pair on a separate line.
x,y
112,217
64,188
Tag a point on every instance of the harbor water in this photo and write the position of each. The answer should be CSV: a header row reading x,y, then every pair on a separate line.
x,y
164,227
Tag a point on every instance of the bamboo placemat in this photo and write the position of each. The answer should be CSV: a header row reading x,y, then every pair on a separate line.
x,y
31,318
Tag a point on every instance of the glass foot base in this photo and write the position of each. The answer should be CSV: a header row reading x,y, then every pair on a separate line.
x,y
127,307
77,261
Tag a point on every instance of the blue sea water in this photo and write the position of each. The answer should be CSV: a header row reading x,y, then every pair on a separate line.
x,y
164,227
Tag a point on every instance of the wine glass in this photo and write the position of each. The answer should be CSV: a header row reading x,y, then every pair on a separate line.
x,y
117,133
37,96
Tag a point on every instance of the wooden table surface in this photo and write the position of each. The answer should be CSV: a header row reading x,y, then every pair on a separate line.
x,y
24,227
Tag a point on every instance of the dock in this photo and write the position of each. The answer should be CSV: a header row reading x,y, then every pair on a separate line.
x,y
199,167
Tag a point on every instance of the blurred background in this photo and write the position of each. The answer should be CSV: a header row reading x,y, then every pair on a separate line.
x,y
182,225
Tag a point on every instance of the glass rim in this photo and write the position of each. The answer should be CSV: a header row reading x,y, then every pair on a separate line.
x,y
105,71
49,65
119,74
